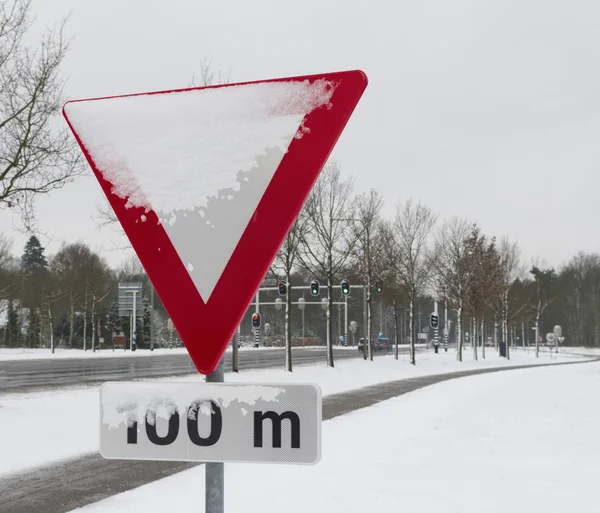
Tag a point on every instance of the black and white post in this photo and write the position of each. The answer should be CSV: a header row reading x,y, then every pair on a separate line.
x,y
435,324
446,327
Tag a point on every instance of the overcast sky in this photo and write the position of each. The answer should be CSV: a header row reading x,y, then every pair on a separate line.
x,y
485,109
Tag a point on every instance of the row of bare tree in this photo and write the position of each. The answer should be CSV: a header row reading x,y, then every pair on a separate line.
x,y
337,235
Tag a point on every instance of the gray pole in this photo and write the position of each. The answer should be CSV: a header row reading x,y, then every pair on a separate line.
x,y
215,472
132,334
236,339
346,321
151,317
366,321
380,315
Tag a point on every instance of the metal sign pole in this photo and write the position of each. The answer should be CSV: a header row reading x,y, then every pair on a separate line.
x,y
215,472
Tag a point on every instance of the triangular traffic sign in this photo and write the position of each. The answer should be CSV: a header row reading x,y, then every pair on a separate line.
x,y
207,182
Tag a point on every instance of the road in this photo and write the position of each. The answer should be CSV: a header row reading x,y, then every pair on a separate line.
x,y
21,375
64,486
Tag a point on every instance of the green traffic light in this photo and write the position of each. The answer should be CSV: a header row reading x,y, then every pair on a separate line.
x,y
345,287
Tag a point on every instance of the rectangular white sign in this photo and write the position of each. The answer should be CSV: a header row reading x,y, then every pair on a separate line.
x,y
211,422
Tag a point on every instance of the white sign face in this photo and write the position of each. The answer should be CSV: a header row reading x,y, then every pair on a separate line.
x,y
154,150
211,422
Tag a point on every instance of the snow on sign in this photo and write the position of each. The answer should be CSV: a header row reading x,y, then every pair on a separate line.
x,y
211,422
207,181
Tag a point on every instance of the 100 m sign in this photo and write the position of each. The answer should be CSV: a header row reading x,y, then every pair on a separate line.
x,y
211,422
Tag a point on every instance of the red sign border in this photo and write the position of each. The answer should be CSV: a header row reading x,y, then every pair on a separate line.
x,y
207,328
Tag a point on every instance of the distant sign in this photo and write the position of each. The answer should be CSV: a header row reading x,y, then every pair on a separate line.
x,y
126,293
211,422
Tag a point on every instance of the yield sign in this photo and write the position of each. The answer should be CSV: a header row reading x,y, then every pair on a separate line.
x,y
207,182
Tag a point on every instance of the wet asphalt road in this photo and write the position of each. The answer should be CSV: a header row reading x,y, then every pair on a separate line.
x,y
22,375
59,488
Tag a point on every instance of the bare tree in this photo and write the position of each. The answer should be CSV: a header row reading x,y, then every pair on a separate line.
x,y
35,157
366,224
512,270
545,278
486,280
208,75
413,226
70,267
390,270
284,263
328,242
451,266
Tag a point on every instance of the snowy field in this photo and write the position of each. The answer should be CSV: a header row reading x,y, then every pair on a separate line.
x,y
523,441
42,427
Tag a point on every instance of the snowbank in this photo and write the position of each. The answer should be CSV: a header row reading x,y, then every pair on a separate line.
x,y
38,428
455,446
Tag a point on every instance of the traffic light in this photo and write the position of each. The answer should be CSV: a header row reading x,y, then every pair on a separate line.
x,y
314,288
434,321
282,288
378,287
345,287
256,320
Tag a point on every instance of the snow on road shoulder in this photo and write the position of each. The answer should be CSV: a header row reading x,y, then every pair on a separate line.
x,y
44,427
455,446
9,354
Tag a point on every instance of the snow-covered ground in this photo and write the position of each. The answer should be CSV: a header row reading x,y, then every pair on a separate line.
x,y
37,353
9,354
592,351
523,441
38,428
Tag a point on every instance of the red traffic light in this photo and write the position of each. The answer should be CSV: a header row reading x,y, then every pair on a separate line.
x,y
256,320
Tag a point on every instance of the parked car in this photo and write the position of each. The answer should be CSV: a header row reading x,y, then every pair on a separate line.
x,y
382,344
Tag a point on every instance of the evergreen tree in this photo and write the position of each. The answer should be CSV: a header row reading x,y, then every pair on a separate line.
x,y
12,324
34,267
33,258
146,321
33,331
114,323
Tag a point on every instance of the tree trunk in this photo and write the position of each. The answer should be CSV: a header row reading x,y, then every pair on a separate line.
x,y
483,338
93,323
395,328
85,320
474,337
537,331
329,323
288,325
51,328
41,331
72,321
412,332
367,344
459,339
